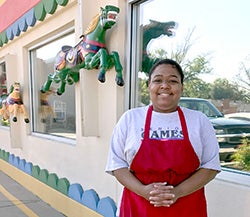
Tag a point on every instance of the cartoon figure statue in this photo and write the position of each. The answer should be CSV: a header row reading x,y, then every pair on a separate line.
x,y
46,110
89,53
13,104
151,31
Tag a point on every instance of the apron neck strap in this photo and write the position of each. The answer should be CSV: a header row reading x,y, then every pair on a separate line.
x,y
148,121
183,123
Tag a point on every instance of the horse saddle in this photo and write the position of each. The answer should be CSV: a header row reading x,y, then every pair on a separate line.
x,y
71,56
66,48
67,55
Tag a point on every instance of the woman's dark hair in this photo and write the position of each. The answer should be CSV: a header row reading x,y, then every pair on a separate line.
x,y
167,62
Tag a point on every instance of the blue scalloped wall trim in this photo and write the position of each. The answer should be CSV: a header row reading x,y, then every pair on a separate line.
x,y
104,206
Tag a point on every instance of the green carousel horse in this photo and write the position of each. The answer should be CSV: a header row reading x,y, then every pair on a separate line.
x,y
89,53
150,31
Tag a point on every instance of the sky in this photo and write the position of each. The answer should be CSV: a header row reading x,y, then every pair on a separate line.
x,y
221,29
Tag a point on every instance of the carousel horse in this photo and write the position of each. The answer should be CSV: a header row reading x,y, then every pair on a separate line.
x,y
4,112
46,110
89,53
12,104
151,31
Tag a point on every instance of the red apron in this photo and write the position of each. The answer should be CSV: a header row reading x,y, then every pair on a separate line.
x,y
170,161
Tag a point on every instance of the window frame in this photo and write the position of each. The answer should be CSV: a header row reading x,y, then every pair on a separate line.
x,y
132,72
41,43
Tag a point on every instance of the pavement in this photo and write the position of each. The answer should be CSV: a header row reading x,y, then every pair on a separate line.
x,y
16,201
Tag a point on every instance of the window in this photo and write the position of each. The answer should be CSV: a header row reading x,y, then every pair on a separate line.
x,y
3,92
51,113
3,81
214,57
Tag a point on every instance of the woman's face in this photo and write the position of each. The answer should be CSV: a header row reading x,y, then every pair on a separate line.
x,y
165,88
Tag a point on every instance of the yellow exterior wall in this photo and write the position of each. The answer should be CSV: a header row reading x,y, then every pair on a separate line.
x,y
98,106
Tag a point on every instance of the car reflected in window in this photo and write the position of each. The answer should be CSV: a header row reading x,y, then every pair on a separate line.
x,y
229,131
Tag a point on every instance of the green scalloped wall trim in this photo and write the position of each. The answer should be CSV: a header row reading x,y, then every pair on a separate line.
x,y
52,180
3,37
62,2
39,13
89,198
50,6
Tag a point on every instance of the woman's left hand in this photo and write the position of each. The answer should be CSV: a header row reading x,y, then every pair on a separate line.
x,y
162,195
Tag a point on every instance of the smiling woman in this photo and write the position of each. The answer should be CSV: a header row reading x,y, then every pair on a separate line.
x,y
164,176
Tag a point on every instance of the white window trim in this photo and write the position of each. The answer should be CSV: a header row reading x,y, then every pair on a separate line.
x,y
234,177
66,140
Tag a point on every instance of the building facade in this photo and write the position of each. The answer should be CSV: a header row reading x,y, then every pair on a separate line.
x,y
69,128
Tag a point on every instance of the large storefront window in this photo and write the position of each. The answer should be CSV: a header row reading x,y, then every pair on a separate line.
x,y
210,40
51,113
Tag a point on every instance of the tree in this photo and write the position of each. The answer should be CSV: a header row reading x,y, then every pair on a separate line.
x,y
243,76
180,52
194,86
144,91
223,89
197,88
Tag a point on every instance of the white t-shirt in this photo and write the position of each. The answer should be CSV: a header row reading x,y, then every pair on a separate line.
x,y
128,133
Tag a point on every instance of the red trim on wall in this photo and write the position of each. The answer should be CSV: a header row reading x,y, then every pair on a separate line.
x,y
11,10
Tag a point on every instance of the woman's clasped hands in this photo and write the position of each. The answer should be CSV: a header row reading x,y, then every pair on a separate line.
x,y
162,194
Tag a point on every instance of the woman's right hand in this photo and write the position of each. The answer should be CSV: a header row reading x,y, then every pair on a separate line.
x,y
162,194
158,194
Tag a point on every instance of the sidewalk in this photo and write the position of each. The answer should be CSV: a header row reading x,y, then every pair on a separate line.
x,y
16,201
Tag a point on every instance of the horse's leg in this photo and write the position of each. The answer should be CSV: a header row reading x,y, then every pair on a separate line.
x,y
6,114
52,113
62,75
15,110
61,89
98,60
43,113
25,114
73,77
103,58
118,68
47,84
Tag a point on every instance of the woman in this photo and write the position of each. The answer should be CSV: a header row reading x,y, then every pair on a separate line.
x,y
162,154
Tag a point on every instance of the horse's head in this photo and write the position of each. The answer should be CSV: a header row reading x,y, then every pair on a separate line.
x,y
104,20
108,16
151,31
15,87
155,28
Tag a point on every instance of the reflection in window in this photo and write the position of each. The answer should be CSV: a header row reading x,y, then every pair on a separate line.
x,y
3,81
216,63
52,114
3,92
